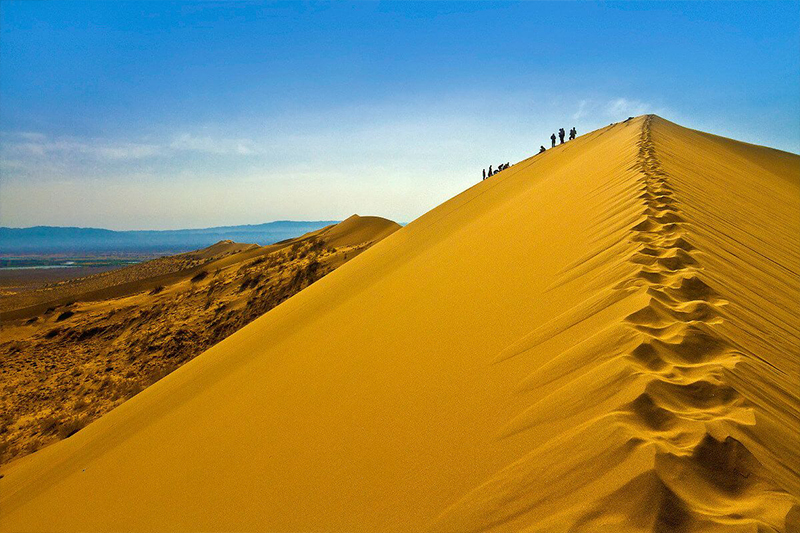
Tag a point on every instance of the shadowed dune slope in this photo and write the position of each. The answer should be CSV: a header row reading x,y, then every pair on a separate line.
x,y
604,337
355,231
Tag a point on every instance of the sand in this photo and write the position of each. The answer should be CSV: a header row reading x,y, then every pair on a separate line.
x,y
356,231
71,364
603,337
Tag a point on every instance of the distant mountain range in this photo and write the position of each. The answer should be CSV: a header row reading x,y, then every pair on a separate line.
x,y
50,239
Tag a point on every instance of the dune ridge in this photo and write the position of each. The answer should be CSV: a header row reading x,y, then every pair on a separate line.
x,y
601,338
664,376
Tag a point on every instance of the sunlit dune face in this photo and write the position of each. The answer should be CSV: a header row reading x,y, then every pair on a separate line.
x,y
601,337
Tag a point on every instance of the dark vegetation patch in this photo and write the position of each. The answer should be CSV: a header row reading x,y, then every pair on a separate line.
x,y
73,375
156,290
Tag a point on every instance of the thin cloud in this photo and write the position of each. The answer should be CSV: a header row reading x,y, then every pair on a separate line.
x,y
38,145
213,145
32,136
581,112
624,106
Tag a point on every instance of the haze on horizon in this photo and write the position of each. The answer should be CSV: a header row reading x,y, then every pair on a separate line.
x,y
158,116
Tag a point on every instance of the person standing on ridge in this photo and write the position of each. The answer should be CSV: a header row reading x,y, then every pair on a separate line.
x,y
572,133
561,135
490,171
553,138
484,173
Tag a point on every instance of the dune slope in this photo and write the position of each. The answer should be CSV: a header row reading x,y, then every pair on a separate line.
x,y
72,363
603,337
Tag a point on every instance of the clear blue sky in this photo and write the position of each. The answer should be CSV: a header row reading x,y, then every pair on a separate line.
x,y
166,115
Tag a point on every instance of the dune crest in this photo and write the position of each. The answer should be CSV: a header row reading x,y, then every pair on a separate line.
x,y
685,418
601,338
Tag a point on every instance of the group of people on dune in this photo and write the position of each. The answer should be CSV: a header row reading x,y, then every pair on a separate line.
x,y
501,166
561,135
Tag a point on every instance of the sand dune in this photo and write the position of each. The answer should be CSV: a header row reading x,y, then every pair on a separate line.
x,y
71,364
356,231
604,337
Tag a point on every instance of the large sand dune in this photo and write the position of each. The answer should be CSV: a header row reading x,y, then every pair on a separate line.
x,y
74,362
603,337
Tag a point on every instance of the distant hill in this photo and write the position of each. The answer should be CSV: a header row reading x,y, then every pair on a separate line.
x,y
50,239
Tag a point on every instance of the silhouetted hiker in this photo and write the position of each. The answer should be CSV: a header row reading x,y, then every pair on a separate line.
x,y
553,138
484,173
561,135
572,133
543,149
490,170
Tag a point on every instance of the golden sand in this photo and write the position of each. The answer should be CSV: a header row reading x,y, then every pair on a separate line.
x,y
603,337
64,367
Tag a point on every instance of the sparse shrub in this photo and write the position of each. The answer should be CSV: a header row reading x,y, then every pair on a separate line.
x,y
250,280
70,427
48,425
180,344
14,347
89,333
65,315
316,245
32,445
157,290
200,276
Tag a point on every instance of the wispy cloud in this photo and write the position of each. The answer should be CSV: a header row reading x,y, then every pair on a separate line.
x,y
623,106
214,145
32,136
39,145
618,108
32,144
367,157
581,112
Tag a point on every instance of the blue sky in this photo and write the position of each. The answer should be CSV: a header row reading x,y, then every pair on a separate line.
x,y
165,115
